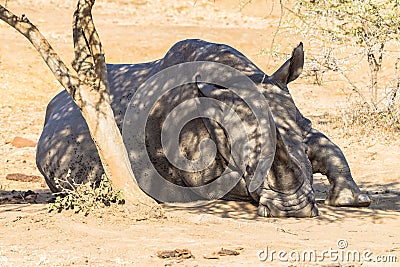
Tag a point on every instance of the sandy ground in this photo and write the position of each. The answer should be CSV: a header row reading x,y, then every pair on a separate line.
x,y
138,31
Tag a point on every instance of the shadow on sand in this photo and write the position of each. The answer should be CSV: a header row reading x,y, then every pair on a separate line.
x,y
385,204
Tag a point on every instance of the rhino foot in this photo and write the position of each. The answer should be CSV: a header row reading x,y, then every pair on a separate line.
x,y
348,198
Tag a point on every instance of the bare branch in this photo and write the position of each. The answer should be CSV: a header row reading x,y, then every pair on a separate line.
x,y
277,29
89,56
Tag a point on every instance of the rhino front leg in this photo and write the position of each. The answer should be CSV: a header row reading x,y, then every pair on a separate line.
x,y
327,158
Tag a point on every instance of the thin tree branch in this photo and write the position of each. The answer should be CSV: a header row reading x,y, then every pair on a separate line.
x,y
277,30
88,48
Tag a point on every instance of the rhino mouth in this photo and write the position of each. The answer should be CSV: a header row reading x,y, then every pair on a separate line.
x,y
298,204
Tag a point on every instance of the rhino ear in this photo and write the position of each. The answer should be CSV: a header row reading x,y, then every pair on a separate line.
x,y
292,68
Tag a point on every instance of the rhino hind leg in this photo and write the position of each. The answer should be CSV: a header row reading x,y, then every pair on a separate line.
x,y
66,154
327,158
75,162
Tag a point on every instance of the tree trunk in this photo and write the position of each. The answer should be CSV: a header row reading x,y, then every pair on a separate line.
x,y
114,157
90,91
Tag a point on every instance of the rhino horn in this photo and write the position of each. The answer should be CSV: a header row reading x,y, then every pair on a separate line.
x,y
292,68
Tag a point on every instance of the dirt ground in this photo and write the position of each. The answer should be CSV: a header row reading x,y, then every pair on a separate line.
x,y
139,31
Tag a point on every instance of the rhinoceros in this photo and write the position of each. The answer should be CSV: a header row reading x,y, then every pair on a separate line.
x,y
66,151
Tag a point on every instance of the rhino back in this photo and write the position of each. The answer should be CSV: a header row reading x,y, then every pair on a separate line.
x,y
65,149
200,50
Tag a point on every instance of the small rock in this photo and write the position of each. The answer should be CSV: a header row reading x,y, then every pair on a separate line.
x,y
20,177
20,142
175,254
223,252
229,252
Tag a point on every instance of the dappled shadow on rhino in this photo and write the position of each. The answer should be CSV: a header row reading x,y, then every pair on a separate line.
x,y
66,152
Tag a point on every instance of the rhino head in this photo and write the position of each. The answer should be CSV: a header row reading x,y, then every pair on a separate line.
x,y
287,190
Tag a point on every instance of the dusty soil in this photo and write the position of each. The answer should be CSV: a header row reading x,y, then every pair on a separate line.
x,y
138,31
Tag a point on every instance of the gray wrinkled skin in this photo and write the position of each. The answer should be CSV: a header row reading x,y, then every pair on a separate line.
x,y
66,150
